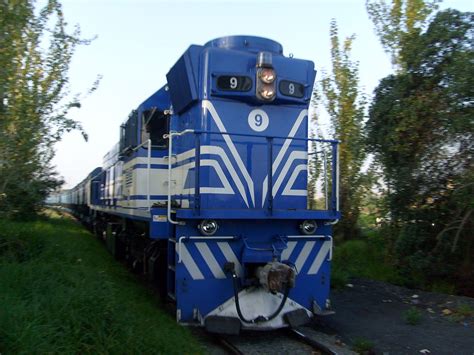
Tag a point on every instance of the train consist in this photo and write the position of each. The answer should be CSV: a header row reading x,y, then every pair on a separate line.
x,y
206,192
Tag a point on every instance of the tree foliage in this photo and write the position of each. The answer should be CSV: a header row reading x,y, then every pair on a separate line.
x,y
345,104
398,20
421,127
35,55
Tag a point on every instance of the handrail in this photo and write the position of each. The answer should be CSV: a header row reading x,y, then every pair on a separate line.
x,y
170,156
148,174
333,205
265,136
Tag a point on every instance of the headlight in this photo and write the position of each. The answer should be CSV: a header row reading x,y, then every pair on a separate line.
x,y
267,92
308,226
208,227
267,75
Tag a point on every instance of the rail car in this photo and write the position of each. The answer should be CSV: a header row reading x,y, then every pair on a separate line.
x,y
206,191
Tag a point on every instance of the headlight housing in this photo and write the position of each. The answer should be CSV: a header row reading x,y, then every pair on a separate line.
x,y
208,227
266,77
308,227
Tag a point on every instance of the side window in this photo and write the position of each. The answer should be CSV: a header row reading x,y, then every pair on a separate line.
x,y
128,133
154,125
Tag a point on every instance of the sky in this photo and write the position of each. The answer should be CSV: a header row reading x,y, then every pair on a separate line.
x,y
138,42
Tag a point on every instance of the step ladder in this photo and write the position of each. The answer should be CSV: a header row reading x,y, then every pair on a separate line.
x,y
171,272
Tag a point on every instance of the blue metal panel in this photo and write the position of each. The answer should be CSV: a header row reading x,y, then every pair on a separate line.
x,y
182,80
247,44
159,226
231,213
201,282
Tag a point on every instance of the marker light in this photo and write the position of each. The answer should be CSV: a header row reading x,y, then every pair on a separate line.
x,y
308,226
208,227
264,60
267,75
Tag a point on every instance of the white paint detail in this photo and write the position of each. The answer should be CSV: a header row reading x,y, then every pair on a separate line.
x,y
290,246
258,120
255,302
230,168
318,261
210,108
206,149
189,262
288,191
226,189
293,156
160,218
300,261
210,260
282,151
132,212
230,256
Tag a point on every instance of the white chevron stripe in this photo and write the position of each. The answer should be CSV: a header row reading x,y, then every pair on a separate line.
x,y
285,255
207,149
282,151
210,107
210,260
188,261
308,246
230,256
293,156
230,168
288,191
226,189
318,261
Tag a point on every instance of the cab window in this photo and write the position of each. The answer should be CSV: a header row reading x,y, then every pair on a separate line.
x,y
155,123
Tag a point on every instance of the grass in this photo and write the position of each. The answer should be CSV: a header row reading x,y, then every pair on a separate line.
x,y
61,292
465,310
363,257
412,316
362,346
461,312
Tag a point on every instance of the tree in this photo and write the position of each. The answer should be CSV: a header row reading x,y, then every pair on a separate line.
x,y
398,21
345,104
34,61
421,127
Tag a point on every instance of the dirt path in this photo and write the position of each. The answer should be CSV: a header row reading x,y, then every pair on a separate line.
x,y
376,312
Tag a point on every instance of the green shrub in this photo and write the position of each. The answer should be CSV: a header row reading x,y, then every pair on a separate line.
x,y
364,257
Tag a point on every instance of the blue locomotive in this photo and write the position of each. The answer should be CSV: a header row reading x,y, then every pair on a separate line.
x,y
206,192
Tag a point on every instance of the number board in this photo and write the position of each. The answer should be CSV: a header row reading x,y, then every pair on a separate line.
x,y
291,88
234,83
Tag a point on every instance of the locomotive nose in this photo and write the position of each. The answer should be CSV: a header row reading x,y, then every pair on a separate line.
x,y
276,277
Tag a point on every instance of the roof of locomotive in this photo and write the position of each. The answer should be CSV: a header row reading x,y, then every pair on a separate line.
x,y
247,43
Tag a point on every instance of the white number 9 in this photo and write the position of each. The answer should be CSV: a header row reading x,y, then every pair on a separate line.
x,y
258,120
291,87
233,82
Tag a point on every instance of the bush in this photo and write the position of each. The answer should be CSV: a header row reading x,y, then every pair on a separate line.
x,y
364,257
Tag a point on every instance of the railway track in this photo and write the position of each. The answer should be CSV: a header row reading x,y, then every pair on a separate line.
x,y
285,341
316,345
